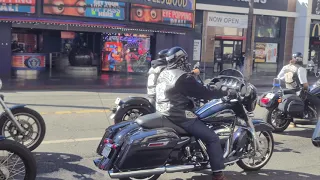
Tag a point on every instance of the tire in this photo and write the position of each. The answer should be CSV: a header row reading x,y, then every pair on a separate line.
x,y
25,155
153,177
122,112
243,165
32,113
268,119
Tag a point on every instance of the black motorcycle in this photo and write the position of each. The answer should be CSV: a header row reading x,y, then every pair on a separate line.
x,y
280,114
152,145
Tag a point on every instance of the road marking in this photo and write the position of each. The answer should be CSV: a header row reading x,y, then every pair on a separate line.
x,y
85,111
71,140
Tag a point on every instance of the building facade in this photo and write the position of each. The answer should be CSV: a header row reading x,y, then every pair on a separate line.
x,y
221,27
115,34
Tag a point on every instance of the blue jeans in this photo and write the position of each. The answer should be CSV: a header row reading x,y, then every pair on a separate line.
x,y
199,130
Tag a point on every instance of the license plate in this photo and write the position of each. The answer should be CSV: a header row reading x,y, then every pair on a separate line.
x,y
106,151
270,95
117,101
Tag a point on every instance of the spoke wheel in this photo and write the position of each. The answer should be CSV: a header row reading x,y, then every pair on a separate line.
x,y
277,120
132,114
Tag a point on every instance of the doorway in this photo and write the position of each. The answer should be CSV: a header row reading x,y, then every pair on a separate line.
x,y
227,53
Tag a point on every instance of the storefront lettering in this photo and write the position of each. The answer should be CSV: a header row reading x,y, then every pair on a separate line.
x,y
17,1
9,8
225,20
256,1
176,3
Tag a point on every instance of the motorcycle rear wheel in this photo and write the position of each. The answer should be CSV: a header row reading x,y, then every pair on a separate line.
x,y
266,157
123,113
269,118
153,177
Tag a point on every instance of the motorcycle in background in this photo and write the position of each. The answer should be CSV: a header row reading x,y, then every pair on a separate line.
x,y
152,145
21,124
286,105
16,161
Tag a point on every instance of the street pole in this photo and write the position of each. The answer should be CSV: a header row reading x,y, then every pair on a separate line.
x,y
249,52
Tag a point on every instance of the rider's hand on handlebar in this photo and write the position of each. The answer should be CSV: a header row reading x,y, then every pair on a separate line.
x,y
196,72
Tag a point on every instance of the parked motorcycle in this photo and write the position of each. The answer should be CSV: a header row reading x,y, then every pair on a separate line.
x,y
21,124
131,108
16,161
280,119
152,145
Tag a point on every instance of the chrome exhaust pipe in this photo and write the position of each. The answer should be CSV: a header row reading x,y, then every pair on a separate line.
x,y
149,172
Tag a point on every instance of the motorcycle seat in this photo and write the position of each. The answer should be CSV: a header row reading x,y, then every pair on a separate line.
x,y
289,91
156,120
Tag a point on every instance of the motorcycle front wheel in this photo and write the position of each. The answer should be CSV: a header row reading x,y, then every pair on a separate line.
x,y
31,121
18,156
259,159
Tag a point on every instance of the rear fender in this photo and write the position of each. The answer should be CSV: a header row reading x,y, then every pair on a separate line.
x,y
272,102
136,102
261,125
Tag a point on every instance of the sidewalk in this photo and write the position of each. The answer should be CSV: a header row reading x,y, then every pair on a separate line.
x,y
105,81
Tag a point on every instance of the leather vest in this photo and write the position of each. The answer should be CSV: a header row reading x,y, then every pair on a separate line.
x,y
152,80
291,76
169,101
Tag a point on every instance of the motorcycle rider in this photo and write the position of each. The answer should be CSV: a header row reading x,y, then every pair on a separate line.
x,y
156,68
294,74
175,84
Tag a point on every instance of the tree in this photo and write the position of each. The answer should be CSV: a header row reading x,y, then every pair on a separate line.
x,y
249,52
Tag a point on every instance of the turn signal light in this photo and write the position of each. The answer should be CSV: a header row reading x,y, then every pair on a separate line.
x,y
106,141
265,100
114,146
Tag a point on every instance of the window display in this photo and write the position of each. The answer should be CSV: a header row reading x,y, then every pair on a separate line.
x,y
266,52
267,26
125,52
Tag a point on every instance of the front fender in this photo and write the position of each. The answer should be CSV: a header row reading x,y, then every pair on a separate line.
x,y
261,125
13,108
137,102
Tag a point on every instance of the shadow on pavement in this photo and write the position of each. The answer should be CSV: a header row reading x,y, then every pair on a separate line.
x,y
279,148
300,132
54,163
261,175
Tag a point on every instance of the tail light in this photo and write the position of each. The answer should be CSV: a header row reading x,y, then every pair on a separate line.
x,y
265,100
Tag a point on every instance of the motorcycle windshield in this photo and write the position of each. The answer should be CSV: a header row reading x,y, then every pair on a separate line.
x,y
231,72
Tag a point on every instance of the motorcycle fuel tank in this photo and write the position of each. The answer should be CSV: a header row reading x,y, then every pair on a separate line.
x,y
211,108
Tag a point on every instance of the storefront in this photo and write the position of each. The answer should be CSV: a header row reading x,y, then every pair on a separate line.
x,y
224,25
314,40
91,35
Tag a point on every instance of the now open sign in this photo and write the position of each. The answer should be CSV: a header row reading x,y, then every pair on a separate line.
x,y
227,20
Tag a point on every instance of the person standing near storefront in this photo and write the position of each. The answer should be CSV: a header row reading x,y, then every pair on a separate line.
x,y
241,61
219,62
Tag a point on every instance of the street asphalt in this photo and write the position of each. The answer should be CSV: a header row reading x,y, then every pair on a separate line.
x,y
76,120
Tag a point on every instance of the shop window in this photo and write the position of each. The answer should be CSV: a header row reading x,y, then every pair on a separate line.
x,y
266,52
267,26
26,43
228,31
126,52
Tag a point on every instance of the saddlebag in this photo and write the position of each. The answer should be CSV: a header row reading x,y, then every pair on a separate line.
x,y
291,104
147,149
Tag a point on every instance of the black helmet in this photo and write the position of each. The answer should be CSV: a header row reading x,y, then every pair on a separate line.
x,y
162,54
297,56
177,57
